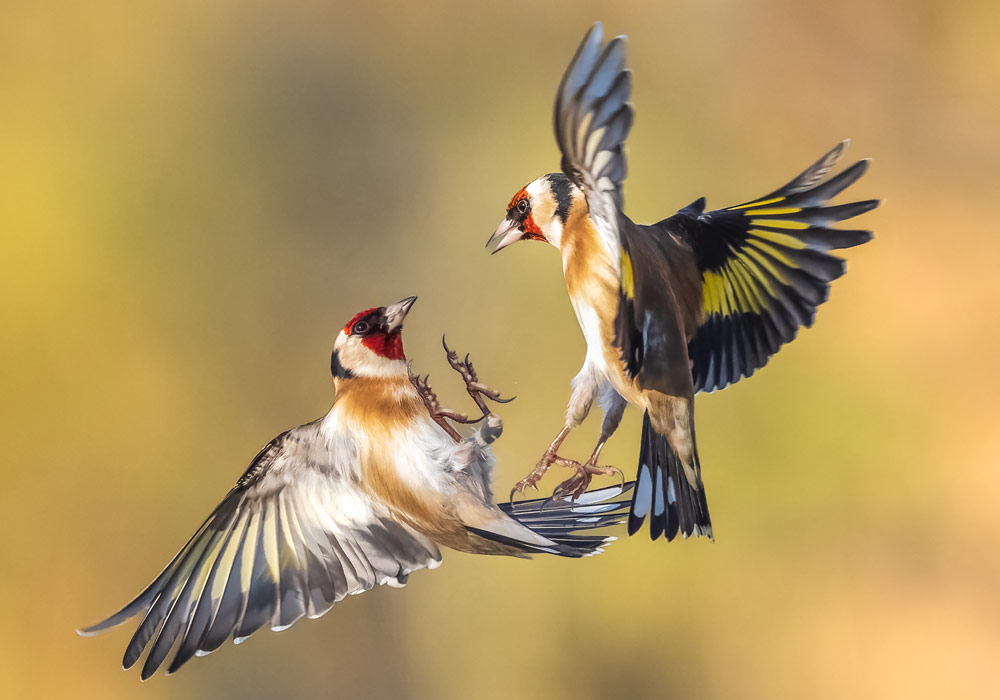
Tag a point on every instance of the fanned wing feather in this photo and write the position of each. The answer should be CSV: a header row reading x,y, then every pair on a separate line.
x,y
592,121
765,267
275,550
181,609
208,602
293,586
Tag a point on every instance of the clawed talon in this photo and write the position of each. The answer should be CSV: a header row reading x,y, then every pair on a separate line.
x,y
536,474
574,486
529,482
438,415
423,387
477,390
577,485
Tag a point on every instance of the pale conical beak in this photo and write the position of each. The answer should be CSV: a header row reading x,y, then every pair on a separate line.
x,y
507,232
395,313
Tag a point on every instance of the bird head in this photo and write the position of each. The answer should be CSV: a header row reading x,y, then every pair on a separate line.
x,y
371,344
538,212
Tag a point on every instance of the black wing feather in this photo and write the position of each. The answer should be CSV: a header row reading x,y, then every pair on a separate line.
x,y
765,268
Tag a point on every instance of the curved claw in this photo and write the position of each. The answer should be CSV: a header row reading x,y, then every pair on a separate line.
x,y
477,390
463,419
604,471
576,485
511,496
520,487
621,475
572,487
490,394
569,489
557,497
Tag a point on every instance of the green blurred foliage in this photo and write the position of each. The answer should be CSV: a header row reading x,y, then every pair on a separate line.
x,y
194,197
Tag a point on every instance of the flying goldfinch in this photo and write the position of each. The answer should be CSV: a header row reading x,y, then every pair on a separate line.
x,y
362,497
692,303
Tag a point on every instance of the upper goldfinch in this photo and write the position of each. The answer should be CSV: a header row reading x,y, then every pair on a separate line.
x,y
362,496
692,303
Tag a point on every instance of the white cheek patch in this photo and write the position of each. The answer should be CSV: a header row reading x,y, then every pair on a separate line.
x,y
362,362
543,210
553,231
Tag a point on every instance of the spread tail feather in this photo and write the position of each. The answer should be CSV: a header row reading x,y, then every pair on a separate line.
x,y
663,492
564,522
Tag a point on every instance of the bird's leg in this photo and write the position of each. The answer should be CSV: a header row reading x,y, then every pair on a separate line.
x,y
549,457
613,405
438,414
585,390
580,481
477,390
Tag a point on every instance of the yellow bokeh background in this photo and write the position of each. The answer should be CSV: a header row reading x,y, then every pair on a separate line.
x,y
194,197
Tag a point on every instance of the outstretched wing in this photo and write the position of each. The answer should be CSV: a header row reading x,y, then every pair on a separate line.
x,y
765,268
295,536
592,120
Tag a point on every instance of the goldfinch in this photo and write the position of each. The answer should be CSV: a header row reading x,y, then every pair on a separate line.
x,y
692,303
361,497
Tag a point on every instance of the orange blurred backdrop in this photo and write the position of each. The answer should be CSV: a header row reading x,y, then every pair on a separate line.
x,y
194,197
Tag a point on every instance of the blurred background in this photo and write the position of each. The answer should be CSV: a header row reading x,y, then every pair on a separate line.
x,y
196,196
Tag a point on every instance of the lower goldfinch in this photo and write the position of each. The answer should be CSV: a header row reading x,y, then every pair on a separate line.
x,y
361,497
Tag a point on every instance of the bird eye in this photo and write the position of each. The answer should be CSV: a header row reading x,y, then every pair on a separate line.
x,y
522,206
360,327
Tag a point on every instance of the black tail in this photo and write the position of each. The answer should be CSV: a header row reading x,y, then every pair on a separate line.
x,y
663,492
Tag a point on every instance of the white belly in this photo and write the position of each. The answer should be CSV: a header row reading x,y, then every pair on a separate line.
x,y
593,333
605,368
